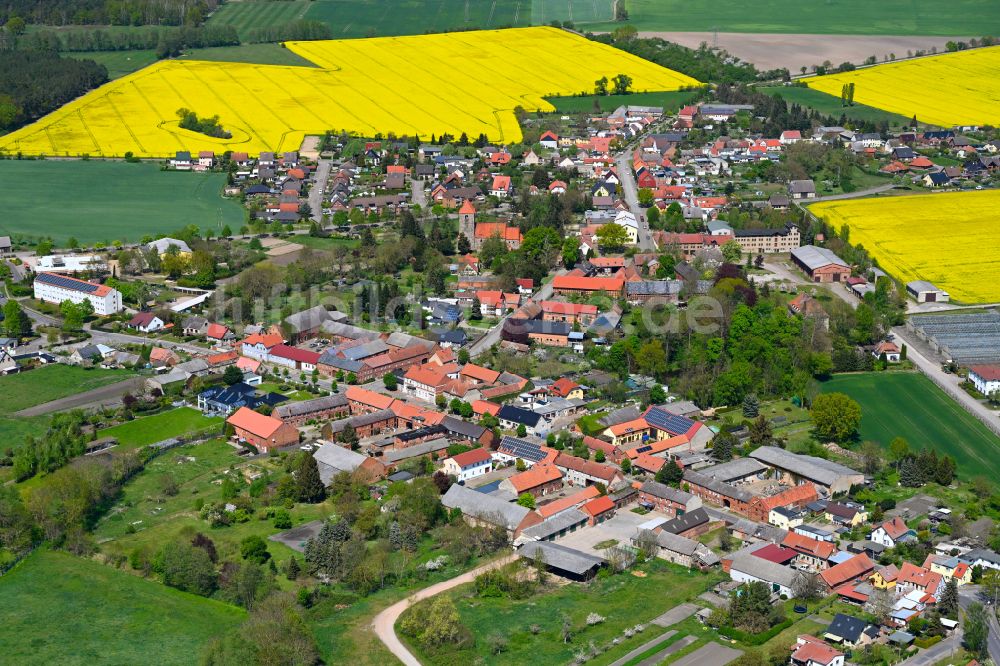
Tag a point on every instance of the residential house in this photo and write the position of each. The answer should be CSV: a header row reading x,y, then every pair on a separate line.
x,y
333,459
666,499
893,532
146,322
469,465
811,651
857,568
537,481
802,189
850,631
986,378
263,432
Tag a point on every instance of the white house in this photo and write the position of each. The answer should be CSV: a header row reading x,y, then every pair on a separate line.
x,y
891,351
811,651
469,465
626,219
892,532
986,378
53,288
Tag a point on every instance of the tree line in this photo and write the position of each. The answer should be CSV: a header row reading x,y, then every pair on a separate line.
x,y
108,12
34,83
101,39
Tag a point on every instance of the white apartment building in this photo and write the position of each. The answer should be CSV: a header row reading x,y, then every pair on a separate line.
x,y
53,288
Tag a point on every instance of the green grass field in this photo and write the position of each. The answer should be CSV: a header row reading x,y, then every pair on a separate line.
x,y
150,429
671,101
103,201
118,63
967,18
262,54
27,389
250,14
60,609
908,405
830,105
624,600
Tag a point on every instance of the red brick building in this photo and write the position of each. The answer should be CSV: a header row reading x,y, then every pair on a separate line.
x,y
263,432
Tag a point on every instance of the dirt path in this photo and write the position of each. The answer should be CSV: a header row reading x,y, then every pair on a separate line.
x,y
385,622
772,51
105,395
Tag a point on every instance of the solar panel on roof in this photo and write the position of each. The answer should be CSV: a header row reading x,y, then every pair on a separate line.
x,y
643,449
672,423
521,448
68,283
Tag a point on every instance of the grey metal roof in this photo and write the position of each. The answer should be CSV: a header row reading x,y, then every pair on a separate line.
x,y
332,458
329,357
654,287
430,446
724,489
348,331
666,492
801,186
370,348
734,469
676,543
758,567
307,319
484,507
686,521
825,472
363,419
463,428
555,524
816,257
310,406
561,557
622,415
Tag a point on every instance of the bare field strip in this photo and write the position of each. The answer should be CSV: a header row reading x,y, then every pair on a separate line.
x,y
772,50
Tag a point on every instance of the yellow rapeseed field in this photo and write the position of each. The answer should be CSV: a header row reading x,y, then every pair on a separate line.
x,y
950,239
950,89
430,84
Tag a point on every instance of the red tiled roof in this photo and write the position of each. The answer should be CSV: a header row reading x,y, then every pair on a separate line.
x,y
588,467
479,373
485,407
571,282
558,307
563,386
227,357
988,373
797,494
370,398
846,571
563,503
254,422
471,457
268,340
895,528
803,544
634,425
295,354
427,375
216,331
596,507
772,552
534,477
467,208
489,229
815,650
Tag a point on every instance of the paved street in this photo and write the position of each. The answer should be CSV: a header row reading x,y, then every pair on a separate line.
x,y
493,335
418,193
856,194
624,166
318,190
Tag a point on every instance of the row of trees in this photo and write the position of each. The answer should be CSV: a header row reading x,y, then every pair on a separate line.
x,y
108,12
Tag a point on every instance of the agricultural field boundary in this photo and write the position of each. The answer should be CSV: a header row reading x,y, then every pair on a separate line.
x,y
367,86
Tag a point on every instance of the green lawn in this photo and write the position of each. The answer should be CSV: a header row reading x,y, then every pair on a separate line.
x,y
119,63
889,17
59,609
326,243
670,101
624,600
98,201
262,54
51,382
150,429
830,105
908,405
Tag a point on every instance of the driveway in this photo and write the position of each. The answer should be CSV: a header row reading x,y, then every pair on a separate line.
x,y
419,193
385,622
852,195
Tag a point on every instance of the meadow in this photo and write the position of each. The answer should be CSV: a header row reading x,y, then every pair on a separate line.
x,y
150,429
830,105
949,89
965,18
34,387
251,14
61,609
98,201
457,82
949,239
909,405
